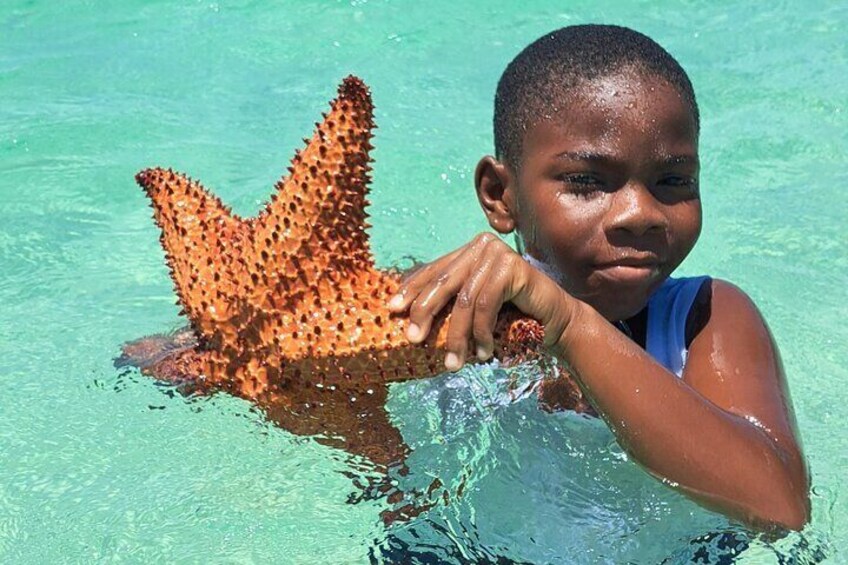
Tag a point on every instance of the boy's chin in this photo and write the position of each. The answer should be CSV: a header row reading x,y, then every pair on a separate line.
x,y
623,302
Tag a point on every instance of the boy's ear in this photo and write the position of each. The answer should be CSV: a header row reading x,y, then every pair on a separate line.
x,y
496,193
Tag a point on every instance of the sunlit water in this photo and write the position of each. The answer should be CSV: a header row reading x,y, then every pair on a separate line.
x,y
102,464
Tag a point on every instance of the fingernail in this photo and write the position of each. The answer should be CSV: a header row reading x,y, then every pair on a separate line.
x,y
396,302
482,353
452,362
413,332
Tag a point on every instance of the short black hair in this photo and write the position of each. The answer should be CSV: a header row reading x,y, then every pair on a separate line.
x,y
542,74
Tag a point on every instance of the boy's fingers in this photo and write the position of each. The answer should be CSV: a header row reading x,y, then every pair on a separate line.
x,y
434,296
486,309
410,287
438,287
463,313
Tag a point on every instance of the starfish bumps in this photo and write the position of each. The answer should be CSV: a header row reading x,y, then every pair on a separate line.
x,y
288,305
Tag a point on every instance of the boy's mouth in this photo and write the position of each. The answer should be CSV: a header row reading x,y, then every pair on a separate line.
x,y
630,270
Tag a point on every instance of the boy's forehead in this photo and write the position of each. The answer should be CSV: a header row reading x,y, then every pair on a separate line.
x,y
605,108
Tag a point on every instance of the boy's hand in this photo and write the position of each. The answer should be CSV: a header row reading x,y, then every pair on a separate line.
x,y
482,275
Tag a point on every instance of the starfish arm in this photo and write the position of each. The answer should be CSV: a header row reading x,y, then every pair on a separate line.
x,y
315,222
201,239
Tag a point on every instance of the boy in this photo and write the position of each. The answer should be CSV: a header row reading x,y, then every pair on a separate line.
x,y
596,171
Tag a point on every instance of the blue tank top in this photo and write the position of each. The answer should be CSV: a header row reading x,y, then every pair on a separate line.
x,y
668,309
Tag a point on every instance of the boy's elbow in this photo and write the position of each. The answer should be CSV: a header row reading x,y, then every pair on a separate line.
x,y
790,508
796,514
779,495
780,518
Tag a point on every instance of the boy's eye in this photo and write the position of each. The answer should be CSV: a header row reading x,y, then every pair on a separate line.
x,y
673,188
582,184
677,180
581,179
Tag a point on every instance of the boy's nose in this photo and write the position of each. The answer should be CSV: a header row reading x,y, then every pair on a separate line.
x,y
635,210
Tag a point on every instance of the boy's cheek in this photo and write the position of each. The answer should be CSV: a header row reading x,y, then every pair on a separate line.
x,y
692,226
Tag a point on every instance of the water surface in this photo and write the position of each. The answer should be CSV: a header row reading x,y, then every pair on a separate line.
x,y
101,464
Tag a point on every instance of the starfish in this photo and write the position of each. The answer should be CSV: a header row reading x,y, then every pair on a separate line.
x,y
287,308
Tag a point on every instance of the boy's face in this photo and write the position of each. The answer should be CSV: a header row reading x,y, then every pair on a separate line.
x,y
607,190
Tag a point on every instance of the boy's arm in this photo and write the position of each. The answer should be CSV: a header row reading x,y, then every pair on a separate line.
x,y
723,434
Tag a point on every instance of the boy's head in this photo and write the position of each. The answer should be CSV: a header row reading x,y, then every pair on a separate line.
x,y
539,80
596,167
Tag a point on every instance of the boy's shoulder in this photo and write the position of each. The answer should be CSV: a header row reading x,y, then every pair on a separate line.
x,y
734,360
728,304
721,306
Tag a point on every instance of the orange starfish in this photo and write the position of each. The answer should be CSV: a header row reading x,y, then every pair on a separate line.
x,y
287,308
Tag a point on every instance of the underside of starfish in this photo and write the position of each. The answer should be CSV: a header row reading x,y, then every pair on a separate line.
x,y
287,308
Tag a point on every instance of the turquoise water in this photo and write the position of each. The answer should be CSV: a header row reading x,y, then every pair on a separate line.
x,y
98,464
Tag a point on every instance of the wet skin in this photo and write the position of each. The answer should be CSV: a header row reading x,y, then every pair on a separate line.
x,y
606,194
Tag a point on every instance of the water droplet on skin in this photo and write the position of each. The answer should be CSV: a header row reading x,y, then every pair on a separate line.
x,y
757,423
670,483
